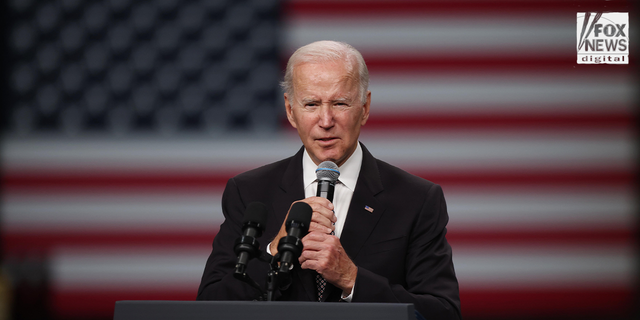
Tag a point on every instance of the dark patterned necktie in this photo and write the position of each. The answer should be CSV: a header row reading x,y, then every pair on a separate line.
x,y
321,282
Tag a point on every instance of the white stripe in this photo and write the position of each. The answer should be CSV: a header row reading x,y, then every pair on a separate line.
x,y
436,35
146,268
426,151
505,94
539,211
149,154
182,213
475,268
127,212
475,152
544,267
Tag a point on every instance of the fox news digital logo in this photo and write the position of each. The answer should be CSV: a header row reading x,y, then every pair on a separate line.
x,y
603,37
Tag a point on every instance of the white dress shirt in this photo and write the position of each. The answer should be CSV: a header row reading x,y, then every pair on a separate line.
x,y
346,184
349,172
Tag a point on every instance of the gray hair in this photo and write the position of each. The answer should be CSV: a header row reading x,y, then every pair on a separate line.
x,y
325,51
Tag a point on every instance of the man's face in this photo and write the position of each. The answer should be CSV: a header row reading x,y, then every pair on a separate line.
x,y
327,110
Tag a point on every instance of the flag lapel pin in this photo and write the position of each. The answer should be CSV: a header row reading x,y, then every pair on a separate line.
x,y
368,209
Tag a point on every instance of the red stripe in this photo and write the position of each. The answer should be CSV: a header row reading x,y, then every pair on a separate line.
x,y
533,178
501,121
100,304
126,182
102,180
517,62
604,303
593,303
469,7
42,241
60,182
540,237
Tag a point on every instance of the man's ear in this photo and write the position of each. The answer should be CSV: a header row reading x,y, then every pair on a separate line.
x,y
366,107
289,109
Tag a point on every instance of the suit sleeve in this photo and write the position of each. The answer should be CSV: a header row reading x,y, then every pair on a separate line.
x,y
430,280
218,282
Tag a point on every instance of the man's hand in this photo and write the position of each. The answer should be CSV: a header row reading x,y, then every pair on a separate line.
x,y
322,220
324,254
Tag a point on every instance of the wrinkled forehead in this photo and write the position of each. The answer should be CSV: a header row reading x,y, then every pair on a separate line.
x,y
348,66
331,73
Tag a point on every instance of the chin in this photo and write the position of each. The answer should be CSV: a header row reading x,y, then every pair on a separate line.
x,y
333,159
324,158
329,155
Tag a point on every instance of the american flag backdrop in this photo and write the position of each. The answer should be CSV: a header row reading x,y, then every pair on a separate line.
x,y
535,153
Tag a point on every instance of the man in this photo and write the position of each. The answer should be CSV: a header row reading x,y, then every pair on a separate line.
x,y
383,237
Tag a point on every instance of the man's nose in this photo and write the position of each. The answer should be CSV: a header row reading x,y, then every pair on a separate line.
x,y
326,119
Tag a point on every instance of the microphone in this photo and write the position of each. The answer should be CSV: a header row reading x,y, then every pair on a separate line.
x,y
247,247
290,247
327,174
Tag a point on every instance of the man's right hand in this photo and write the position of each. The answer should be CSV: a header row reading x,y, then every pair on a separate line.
x,y
322,220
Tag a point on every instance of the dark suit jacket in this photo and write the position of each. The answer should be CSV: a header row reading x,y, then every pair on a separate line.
x,y
400,248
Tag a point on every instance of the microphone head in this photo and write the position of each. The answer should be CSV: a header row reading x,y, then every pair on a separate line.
x,y
256,213
300,213
328,170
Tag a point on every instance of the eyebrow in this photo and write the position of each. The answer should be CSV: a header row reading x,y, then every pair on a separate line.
x,y
305,101
310,100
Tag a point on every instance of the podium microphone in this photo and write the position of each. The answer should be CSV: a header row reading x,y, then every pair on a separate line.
x,y
327,174
247,247
290,247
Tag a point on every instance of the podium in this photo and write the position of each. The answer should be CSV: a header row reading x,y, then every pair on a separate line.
x,y
261,310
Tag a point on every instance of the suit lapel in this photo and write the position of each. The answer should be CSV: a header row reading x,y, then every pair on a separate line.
x,y
359,224
292,189
360,221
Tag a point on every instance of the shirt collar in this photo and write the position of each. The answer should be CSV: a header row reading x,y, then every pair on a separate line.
x,y
349,170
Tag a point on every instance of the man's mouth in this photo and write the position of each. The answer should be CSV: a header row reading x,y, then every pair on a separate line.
x,y
330,139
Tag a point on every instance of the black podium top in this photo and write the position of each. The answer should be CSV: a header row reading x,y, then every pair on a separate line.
x,y
250,310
